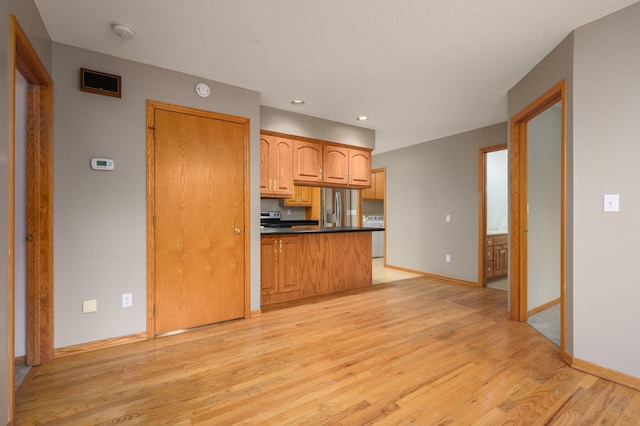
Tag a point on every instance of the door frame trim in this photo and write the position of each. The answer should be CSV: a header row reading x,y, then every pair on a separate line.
x,y
518,196
151,202
39,139
482,208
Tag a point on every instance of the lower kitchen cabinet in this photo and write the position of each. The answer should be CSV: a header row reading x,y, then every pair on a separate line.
x,y
313,264
278,268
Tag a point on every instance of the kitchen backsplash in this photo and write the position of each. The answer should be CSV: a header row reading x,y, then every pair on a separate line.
x,y
288,213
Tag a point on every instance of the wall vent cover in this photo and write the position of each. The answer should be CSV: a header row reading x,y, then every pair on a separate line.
x,y
100,83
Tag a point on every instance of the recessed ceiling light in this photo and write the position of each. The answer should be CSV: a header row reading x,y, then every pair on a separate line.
x,y
363,118
297,102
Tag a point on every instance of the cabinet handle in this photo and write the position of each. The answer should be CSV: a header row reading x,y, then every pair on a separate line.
x,y
275,245
320,173
270,185
275,185
280,246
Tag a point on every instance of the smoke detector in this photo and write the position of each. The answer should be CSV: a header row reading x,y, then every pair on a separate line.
x,y
122,30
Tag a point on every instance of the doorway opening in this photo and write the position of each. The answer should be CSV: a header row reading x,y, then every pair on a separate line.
x,y
38,200
538,209
493,217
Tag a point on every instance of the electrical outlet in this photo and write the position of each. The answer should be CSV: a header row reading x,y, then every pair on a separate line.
x,y
447,258
127,300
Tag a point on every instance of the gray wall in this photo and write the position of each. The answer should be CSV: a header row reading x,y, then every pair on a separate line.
x,y
606,152
544,133
277,120
31,23
100,217
555,67
425,182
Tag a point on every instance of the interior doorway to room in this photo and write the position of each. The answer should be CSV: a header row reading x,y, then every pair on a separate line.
x,y
494,216
38,204
198,217
538,210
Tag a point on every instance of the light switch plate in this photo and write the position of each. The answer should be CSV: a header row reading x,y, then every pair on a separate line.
x,y
89,306
611,202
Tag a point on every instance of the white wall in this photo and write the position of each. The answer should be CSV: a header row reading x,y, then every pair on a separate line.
x,y
497,191
100,217
544,184
606,152
20,207
425,182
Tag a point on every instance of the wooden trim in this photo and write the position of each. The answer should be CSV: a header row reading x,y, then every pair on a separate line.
x,y
24,59
99,344
482,208
256,313
151,202
543,307
606,373
426,274
518,192
312,140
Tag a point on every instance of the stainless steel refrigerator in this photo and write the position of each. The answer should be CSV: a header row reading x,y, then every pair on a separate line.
x,y
340,207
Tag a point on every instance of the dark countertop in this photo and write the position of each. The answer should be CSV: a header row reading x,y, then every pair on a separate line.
x,y
315,230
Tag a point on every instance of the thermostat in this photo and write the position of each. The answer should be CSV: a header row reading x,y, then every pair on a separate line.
x,y
102,164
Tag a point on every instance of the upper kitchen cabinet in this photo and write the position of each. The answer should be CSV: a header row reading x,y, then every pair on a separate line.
x,y
276,164
346,167
301,197
307,162
376,191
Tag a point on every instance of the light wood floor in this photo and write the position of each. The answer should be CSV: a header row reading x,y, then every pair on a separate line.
x,y
415,351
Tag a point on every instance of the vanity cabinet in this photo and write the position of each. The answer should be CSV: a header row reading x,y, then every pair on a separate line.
x,y
496,256
276,163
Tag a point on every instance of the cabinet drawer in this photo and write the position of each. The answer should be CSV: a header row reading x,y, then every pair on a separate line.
x,y
489,241
489,254
488,269
500,240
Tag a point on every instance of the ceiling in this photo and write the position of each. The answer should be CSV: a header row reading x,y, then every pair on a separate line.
x,y
420,69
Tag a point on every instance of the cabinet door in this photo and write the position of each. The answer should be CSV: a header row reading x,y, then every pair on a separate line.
x,y
288,264
370,193
307,162
301,197
379,185
265,155
283,167
359,168
336,165
500,260
268,265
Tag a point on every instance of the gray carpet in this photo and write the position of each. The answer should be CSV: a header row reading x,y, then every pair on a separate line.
x,y
547,323
20,373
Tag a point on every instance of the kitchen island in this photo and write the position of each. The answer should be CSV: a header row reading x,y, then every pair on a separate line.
x,y
309,261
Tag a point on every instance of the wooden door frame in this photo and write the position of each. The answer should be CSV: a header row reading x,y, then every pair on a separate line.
x,y
482,209
518,203
39,139
151,202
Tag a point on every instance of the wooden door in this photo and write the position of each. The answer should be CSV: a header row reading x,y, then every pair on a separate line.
x,y
199,220
268,265
283,167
